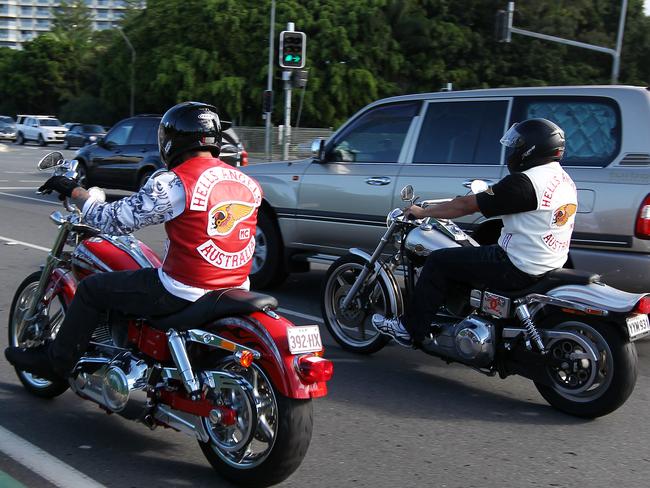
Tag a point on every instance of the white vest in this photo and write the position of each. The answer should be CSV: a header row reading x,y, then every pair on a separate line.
x,y
538,241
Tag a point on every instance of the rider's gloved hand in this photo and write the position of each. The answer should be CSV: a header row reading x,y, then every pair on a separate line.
x,y
414,212
59,184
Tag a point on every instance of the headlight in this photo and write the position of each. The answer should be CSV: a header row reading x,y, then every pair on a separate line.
x,y
392,215
92,138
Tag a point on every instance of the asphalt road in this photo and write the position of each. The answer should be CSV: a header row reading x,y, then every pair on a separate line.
x,y
394,419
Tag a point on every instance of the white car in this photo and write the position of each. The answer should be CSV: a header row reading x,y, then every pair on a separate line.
x,y
43,129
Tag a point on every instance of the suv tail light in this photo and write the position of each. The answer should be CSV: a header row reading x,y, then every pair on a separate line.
x,y
642,227
643,305
244,157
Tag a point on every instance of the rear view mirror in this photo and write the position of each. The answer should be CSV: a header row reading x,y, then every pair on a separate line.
x,y
318,148
478,186
407,193
51,160
228,150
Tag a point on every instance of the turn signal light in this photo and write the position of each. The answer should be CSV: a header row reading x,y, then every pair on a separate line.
x,y
642,227
245,358
313,369
643,305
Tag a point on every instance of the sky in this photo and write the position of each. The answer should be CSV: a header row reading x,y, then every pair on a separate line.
x,y
647,6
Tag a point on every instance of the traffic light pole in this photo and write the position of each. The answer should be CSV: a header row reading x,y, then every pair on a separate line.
x,y
615,53
269,87
286,77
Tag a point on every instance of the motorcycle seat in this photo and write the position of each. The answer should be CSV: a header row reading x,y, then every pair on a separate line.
x,y
553,279
214,305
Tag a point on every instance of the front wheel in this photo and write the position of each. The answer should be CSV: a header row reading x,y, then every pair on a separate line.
x,y
20,139
270,437
36,333
268,268
352,326
41,140
581,386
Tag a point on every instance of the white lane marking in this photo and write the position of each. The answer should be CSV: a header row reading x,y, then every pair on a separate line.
x,y
298,314
30,181
40,462
14,242
18,172
280,309
28,198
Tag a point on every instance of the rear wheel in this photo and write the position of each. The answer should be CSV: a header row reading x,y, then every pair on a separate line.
x,y
36,333
352,327
270,437
268,269
581,386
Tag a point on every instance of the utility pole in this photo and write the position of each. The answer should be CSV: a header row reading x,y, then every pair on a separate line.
x,y
505,29
119,29
268,96
286,78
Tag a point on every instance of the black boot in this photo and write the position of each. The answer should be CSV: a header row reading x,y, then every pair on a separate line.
x,y
34,360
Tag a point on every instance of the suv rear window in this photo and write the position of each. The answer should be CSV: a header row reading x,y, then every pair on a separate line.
x,y
592,126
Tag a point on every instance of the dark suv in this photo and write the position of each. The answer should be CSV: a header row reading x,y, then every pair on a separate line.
x,y
128,154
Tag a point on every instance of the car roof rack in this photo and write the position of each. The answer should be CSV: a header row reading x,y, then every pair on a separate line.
x,y
148,115
37,116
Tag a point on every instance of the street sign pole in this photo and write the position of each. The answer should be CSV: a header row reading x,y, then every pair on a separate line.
x,y
286,77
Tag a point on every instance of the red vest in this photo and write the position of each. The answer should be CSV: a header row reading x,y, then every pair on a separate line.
x,y
211,243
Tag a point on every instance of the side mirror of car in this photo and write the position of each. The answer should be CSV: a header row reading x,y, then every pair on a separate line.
x,y
318,149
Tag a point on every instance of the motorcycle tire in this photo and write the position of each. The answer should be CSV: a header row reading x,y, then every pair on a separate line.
x,y
328,299
621,367
36,386
294,429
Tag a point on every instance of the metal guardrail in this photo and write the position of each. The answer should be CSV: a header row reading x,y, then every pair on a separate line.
x,y
299,144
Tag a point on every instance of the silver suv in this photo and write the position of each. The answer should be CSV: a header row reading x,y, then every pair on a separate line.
x,y
438,142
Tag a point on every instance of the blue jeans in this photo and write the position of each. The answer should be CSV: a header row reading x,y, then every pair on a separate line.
x,y
478,267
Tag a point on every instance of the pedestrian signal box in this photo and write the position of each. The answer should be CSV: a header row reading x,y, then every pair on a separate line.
x,y
293,47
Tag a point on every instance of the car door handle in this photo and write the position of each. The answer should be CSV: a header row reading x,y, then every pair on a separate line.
x,y
468,183
378,180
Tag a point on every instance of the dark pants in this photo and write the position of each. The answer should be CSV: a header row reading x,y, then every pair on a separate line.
x,y
139,293
479,267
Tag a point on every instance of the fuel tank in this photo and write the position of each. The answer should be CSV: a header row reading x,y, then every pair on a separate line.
x,y
100,254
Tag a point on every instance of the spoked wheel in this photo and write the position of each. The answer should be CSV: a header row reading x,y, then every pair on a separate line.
x,y
583,386
352,327
269,437
25,334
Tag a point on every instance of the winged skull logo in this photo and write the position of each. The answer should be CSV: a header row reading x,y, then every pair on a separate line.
x,y
562,215
223,218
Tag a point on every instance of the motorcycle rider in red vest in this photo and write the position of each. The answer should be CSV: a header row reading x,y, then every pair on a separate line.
x,y
210,213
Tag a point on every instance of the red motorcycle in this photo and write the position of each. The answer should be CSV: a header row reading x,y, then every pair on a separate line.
x,y
227,370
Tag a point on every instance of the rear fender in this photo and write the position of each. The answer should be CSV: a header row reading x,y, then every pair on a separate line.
x,y
598,296
396,300
61,282
268,335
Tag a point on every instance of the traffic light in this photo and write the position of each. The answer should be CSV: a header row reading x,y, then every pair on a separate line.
x,y
502,26
293,46
299,78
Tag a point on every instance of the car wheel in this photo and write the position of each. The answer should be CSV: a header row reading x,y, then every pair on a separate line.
x,y
66,144
267,269
41,141
20,139
82,177
144,177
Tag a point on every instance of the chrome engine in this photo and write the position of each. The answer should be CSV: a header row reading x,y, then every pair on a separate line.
x,y
470,341
118,384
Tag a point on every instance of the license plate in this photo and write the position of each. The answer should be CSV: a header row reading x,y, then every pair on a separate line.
x,y
638,326
304,339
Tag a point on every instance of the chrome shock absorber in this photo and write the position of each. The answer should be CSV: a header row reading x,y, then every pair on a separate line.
x,y
182,362
531,331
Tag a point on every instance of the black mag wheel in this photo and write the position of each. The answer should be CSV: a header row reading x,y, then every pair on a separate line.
x,y
270,437
35,334
268,264
352,326
581,386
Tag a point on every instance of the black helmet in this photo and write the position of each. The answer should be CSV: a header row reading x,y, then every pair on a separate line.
x,y
186,127
532,142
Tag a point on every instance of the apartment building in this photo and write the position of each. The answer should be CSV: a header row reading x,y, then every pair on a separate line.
x,y
22,20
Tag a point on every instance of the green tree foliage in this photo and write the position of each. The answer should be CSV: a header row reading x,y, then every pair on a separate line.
x,y
357,51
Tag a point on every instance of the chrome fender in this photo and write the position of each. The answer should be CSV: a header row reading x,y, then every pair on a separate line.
x,y
599,296
389,280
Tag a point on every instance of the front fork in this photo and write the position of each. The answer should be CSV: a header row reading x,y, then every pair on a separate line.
x,y
53,258
368,267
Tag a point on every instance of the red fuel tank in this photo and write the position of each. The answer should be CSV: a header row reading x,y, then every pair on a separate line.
x,y
100,254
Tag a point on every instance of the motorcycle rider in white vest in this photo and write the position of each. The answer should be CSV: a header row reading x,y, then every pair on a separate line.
x,y
537,203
